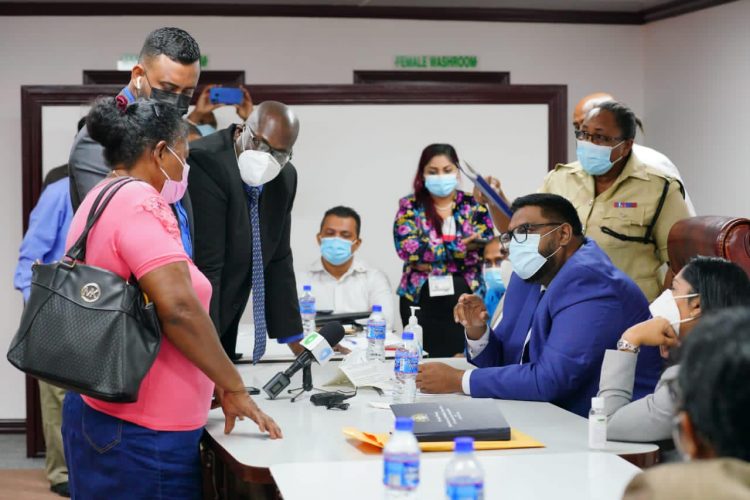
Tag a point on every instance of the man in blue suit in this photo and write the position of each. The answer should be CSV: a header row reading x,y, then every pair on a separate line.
x,y
565,305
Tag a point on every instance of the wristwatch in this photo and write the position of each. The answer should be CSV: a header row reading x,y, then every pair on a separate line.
x,y
624,345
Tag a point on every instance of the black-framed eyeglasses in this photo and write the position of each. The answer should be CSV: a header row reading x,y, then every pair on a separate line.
x,y
599,139
259,144
521,233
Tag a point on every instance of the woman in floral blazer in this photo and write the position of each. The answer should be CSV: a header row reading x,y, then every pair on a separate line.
x,y
434,233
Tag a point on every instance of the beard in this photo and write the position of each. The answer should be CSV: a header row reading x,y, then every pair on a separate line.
x,y
549,266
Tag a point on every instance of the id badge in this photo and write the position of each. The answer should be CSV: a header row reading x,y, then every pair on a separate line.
x,y
441,286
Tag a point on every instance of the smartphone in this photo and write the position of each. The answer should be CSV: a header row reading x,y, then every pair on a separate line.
x,y
252,390
226,95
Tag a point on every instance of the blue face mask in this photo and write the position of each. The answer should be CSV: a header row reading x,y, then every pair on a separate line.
x,y
206,129
441,185
525,256
336,250
493,279
594,158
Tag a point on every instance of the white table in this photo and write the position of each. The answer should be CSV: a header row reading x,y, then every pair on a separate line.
x,y
313,434
579,476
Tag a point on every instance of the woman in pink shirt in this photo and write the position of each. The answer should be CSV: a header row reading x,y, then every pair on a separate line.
x,y
149,448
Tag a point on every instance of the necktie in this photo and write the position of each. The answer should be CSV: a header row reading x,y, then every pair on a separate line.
x,y
258,284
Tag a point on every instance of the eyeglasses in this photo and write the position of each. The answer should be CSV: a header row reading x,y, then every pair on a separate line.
x,y
521,233
595,138
259,144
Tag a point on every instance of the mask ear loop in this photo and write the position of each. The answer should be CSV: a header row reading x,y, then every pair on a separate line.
x,y
621,156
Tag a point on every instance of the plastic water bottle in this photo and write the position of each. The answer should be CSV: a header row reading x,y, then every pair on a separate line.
x,y
401,462
597,425
464,478
405,369
376,335
307,310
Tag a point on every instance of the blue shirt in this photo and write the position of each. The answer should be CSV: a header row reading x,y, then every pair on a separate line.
x,y
48,229
584,311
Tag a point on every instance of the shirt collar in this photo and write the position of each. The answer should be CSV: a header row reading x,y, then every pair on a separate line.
x,y
633,168
128,94
358,266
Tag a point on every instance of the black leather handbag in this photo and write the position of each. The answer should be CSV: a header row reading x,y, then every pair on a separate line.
x,y
84,328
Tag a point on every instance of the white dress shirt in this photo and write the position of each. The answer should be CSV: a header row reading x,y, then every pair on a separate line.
x,y
357,290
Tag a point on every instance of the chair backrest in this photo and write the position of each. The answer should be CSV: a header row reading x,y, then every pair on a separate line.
x,y
710,235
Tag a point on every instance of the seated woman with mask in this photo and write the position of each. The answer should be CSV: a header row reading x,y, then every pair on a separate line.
x,y
711,429
704,285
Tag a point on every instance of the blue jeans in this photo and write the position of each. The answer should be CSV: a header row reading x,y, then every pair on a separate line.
x,y
110,458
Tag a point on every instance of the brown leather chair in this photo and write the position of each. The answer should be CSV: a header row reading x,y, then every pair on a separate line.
x,y
710,235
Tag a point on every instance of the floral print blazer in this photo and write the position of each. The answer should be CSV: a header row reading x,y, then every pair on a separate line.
x,y
417,242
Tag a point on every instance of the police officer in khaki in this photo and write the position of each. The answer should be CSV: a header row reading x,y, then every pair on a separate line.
x,y
626,206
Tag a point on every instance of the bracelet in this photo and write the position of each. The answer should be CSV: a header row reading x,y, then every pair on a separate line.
x,y
624,345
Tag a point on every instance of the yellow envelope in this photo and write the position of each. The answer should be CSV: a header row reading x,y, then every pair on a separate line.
x,y
517,440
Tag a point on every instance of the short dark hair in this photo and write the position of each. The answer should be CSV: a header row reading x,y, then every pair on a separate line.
x,y
553,207
626,120
127,133
344,213
719,282
713,381
174,43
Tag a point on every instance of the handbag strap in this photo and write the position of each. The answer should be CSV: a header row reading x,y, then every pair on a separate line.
x,y
77,252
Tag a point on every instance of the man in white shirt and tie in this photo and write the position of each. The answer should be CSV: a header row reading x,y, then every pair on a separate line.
x,y
341,282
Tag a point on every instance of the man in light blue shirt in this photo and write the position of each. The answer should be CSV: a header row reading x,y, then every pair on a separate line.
x,y
45,242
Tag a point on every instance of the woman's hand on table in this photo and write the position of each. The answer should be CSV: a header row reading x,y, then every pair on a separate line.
x,y
238,405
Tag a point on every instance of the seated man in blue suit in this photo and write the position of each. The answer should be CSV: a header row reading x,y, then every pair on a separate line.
x,y
565,305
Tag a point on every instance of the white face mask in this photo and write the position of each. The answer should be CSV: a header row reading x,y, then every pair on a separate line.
x,y
665,306
257,168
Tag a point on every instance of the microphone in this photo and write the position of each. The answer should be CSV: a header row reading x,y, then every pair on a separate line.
x,y
318,347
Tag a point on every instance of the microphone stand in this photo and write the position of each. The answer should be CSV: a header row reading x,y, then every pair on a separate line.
x,y
307,384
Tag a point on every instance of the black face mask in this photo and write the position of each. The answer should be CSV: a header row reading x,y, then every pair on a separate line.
x,y
179,101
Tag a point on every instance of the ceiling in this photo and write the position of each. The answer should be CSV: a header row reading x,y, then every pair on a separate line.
x,y
546,11
595,5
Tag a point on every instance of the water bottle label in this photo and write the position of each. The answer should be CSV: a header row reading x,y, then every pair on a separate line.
x,y
376,332
465,491
400,354
307,307
406,362
401,474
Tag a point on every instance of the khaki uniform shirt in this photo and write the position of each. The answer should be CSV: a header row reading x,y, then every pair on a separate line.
x,y
627,208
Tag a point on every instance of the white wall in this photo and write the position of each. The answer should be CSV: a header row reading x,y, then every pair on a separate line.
x,y
697,102
43,50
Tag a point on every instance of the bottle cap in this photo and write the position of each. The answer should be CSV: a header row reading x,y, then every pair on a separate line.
x,y
597,403
407,335
376,308
404,424
464,444
307,288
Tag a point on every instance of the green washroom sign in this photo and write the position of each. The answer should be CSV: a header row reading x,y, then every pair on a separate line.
x,y
465,62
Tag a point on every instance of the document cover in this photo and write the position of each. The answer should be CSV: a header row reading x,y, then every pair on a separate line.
x,y
443,421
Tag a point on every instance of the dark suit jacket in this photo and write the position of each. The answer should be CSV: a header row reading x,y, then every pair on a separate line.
x,y
223,243
87,167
